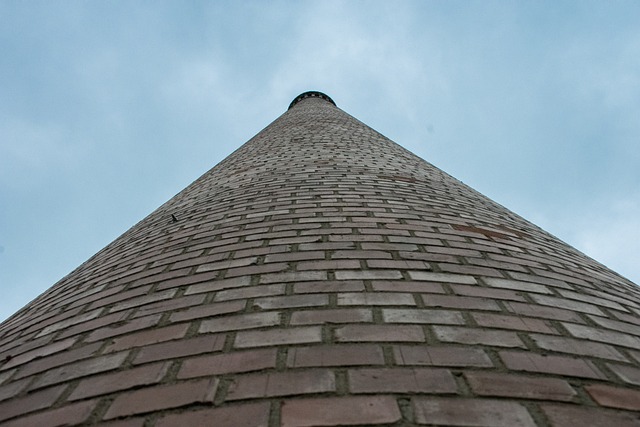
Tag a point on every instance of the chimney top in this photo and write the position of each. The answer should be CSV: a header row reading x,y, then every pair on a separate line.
x,y
311,94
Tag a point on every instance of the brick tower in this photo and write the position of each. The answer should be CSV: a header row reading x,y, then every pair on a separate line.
x,y
322,275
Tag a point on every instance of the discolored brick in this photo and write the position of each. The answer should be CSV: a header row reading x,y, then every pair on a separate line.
x,y
379,333
441,356
281,384
470,412
510,386
351,410
401,380
558,365
246,415
162,397
567,415
300,335
335,355
614,397
228,363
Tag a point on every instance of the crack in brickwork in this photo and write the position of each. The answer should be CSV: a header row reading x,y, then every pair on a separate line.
x,y
324,275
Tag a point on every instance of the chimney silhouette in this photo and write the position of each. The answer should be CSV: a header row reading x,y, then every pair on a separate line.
x,y
322,275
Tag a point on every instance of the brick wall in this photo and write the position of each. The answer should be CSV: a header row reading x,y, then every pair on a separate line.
x,y
323,275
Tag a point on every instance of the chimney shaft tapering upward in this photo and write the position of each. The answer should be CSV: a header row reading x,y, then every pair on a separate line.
x,y
324,275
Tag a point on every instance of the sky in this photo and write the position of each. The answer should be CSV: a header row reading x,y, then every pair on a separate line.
x,y
108,109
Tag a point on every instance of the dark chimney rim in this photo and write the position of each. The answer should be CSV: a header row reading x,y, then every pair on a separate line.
x,y
311,94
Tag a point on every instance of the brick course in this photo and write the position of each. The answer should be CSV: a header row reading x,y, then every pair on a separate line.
x,y
322,275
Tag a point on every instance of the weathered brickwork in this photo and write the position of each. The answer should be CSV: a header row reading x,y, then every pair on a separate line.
x,y
322,275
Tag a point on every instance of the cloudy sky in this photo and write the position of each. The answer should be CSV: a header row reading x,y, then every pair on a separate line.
x,y
107,109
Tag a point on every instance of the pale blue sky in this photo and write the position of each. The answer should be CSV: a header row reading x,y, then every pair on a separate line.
x,y
107,109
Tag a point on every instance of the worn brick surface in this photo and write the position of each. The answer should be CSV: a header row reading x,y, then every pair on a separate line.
x,y
342,411
471,412
322,275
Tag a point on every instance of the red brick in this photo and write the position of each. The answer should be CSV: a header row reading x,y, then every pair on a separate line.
x,y
240,321
187,280
318,317
329,286
335,355
628,374
62,324
550,313
80,369
398,264
152,336
351,410
604,302
368,298
539,279
407,286
379,333
421,315
170,305
442,277
526,324
518,386
143,300
482,292
175,349
329,246
129,422
228,363
466,303
124,327
218,285
367,274
294,256
470,412
257,269
209,310
441,356
573,415
388,247
401,380
328,265
474,336
122,380
614,397
567,304
29,403
226,264
291,301
58,359
162,397
281,384
12,388
245,415
577,347
250,292
357,254
39,352
11,345
73,414
469,269
301,335
603,335
516,285
566,366
629,328
106,320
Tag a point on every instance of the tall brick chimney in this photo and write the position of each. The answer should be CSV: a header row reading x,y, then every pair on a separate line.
x,y
322,275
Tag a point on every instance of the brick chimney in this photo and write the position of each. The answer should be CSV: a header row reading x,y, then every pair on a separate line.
x,y
322,275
